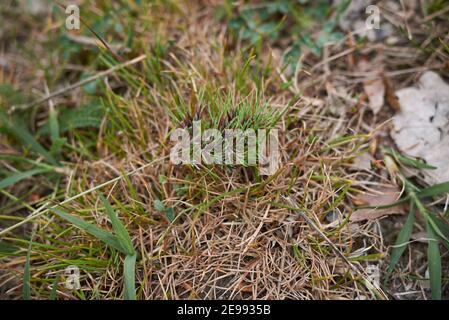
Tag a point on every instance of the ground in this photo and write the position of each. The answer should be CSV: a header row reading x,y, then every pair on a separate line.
x,y
93,208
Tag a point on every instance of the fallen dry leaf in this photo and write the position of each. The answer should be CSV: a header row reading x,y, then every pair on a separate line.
x,y
375,90
390,94
362,162
421,127
384,195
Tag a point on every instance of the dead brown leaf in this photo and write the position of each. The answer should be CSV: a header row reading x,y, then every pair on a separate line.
x,y
375,90
384,195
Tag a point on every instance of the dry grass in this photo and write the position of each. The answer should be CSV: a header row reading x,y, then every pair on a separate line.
x,y
230,239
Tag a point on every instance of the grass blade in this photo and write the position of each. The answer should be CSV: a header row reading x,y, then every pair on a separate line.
x,y
434,260
401,241
387,206
442,226
8,181
54,293
408,161
102,235
433,191
27,276
129,270
119,229
21,133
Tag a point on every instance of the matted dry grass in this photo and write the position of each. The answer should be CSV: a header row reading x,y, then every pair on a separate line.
x,y
230,238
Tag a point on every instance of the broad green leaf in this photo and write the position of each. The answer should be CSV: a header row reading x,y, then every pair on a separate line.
x,y
434,261
402,240
100,234
119,229
129,270
8,181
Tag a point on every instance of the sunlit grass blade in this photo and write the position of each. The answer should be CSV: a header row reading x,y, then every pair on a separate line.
x,y
13,179
119,229
129,270
102,235
434,260
401,241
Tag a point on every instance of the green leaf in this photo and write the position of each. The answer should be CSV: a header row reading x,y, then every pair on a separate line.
x,y
100,234
8,181
54,125
169,213
159,205
119,229
90,115
129,270
441,226
54,288
27,276
21,133
408,161
434,260
434,190
402,240
7,248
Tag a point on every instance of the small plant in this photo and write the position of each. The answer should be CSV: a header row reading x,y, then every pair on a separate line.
x,y
437,225
120,240
271,20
